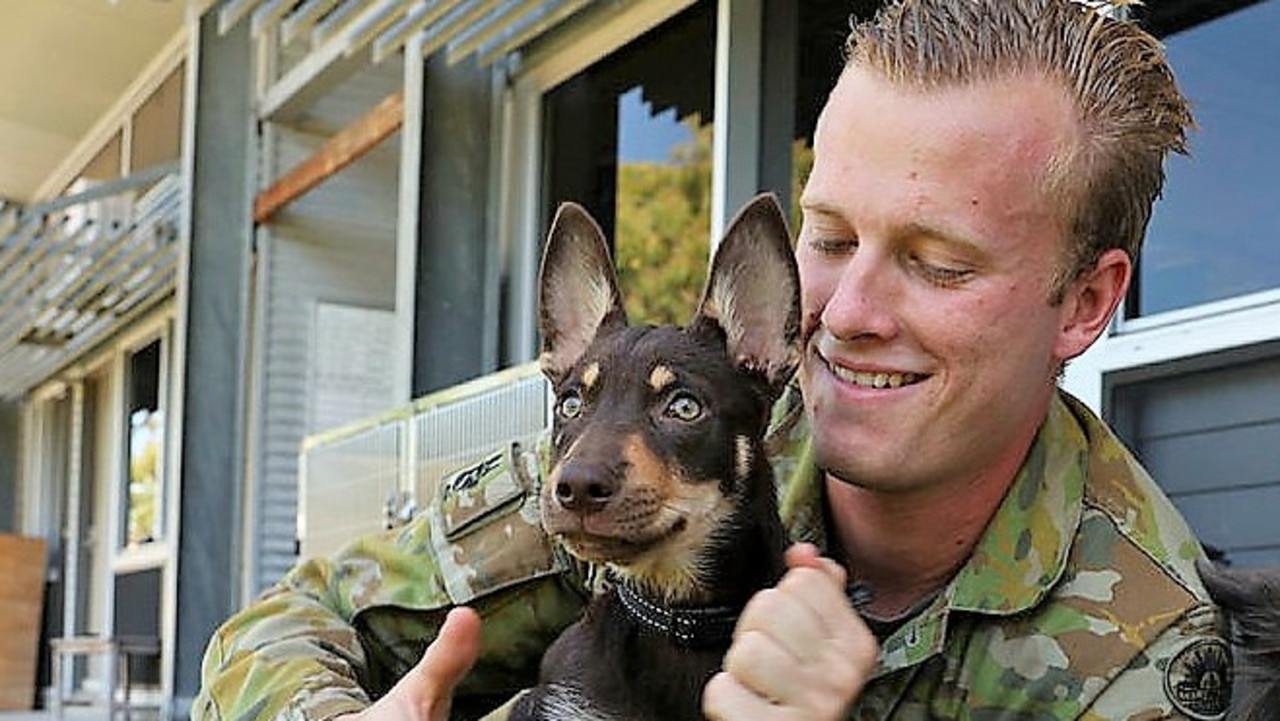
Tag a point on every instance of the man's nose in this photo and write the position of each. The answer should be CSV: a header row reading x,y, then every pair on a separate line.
x,y
864,300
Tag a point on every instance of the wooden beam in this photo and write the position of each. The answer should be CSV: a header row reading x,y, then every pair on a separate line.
x,y
343,149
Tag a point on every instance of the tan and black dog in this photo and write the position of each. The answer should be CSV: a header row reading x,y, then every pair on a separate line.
x,y
658,470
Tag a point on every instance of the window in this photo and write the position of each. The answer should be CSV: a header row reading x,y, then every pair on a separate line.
x,y
144,438
630,138
1216,232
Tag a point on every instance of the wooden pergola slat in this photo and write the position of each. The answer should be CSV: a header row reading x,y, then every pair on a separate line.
x,y
347,146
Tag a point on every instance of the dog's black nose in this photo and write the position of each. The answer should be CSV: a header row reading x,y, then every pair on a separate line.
x,y
585,488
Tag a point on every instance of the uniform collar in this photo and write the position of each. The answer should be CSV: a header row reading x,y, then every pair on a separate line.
x,y
1020,556
1024,549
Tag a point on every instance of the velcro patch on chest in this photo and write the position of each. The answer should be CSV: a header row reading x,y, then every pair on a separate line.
x,y
471,494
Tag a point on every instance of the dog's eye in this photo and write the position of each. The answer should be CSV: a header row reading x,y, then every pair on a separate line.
x,y
684,407
569,405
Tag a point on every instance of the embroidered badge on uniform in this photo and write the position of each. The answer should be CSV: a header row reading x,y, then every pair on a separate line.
x,y
1198,680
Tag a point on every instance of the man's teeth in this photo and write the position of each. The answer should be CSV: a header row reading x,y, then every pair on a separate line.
x,y
876,380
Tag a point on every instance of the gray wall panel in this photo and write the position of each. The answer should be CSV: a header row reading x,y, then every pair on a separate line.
x,y
303,273
1244,519
1211,439
1224,458
10,423
216,326
1212,399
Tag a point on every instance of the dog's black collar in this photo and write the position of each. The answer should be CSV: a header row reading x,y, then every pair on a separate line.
x,y
693,626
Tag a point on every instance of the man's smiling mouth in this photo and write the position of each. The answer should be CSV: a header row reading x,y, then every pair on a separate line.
x,y
874,379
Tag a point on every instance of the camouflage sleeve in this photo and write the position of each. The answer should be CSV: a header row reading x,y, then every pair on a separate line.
x,y
337,633
1184,674
291,655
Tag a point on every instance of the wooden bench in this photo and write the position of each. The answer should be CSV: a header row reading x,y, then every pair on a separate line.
x,y
117,651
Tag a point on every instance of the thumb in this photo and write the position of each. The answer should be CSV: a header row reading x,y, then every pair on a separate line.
x,y
445,662
806,555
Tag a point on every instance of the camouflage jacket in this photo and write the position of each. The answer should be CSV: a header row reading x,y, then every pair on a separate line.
x,y
1080,601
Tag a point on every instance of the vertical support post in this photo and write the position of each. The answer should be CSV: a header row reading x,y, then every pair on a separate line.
x,y
778,102
735,172
409,219
453,243
213,321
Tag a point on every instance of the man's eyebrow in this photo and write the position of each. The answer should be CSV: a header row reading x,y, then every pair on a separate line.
x,y
951,235
817,205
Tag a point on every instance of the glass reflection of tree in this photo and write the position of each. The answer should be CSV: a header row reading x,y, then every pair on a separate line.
x,y
664,220
146,427
663,225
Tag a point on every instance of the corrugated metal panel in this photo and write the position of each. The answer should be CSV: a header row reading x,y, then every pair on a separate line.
x,y
1210,439
75,270
488,28
304,272
337,245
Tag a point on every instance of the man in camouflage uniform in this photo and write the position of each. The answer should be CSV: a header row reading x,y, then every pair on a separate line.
x,y
983,175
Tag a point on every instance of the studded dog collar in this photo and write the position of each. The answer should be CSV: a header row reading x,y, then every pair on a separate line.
x,y
689,627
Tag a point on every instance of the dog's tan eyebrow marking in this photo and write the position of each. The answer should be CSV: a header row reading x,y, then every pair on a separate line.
x,y
661,377
590,375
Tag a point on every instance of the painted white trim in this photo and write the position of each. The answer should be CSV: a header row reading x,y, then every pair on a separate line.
x,y
30,488
735,166
113,482
494,217
1168,338
1200,311
255,403
521,231
408,213
71,520
152,556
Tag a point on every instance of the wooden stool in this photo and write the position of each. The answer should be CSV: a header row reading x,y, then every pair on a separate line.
x,y
118,651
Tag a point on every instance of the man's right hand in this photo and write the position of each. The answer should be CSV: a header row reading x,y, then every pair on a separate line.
x,y
799,652
425,693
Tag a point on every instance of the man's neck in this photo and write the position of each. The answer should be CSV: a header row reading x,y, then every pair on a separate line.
x,y
908,546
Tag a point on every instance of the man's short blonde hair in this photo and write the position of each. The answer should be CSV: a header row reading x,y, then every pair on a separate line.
x,y
1131,112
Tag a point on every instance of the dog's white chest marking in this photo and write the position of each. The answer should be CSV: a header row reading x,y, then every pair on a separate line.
x,y
567,703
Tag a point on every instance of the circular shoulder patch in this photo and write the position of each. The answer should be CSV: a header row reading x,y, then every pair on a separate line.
x,y
1198,680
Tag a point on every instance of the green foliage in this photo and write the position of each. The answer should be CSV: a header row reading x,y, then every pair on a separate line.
x,y
663,230
801,164
664,226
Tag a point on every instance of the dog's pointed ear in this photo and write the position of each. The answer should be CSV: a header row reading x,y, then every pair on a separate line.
x,y
753,293
578,290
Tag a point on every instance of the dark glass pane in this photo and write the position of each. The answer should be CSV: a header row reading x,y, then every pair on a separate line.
x,y
1216,232
143,501
630,139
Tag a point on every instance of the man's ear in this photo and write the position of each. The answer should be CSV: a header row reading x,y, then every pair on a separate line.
x,y
1090,301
